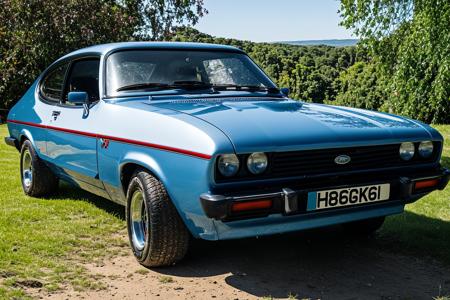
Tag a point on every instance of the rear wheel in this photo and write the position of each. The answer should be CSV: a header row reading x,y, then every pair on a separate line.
x,y
364,227
157,234
37,178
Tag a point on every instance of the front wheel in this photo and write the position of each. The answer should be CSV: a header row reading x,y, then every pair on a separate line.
x,y
364,227
157,234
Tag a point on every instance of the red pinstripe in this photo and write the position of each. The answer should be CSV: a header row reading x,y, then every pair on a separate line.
x,y
117,139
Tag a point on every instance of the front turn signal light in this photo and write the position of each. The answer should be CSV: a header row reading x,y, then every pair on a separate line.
x,y
251,205
424,184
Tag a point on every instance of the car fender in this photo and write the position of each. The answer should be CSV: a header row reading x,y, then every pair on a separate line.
x,y
25,133
187,204
144,160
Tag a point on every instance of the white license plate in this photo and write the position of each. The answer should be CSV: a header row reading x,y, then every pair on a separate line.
x,y
348,196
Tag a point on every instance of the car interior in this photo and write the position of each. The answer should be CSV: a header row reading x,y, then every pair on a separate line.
x,y
83,76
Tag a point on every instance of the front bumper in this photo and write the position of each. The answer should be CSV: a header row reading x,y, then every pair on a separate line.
x,y
293,200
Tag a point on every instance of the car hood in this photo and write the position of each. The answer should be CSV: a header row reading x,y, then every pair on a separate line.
x,y
283,125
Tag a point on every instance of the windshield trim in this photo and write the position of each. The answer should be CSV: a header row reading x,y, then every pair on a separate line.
x,y
166,97
226,50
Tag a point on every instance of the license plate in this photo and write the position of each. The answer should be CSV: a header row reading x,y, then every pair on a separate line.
x,y
348,196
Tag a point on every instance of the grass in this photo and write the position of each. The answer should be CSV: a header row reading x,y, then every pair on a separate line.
x,y
46,240
142,271
424,228
165,279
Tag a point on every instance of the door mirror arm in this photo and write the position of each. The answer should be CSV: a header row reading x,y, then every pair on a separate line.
x,y
85,110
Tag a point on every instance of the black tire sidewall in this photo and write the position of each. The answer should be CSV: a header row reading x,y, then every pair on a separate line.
x,y
28,146
167,238
136,184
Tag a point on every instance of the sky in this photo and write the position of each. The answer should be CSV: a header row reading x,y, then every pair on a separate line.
x,y
273,20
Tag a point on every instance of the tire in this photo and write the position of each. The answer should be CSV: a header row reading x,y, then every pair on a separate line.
x,y
158,236
364,227
37,178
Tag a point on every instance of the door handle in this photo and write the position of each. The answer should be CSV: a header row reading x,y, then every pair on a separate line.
x,y
55,114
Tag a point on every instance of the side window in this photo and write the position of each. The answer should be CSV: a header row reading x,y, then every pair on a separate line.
x,y
83,77
52,85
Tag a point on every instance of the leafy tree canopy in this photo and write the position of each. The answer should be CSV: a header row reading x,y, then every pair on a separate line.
x,y
410,39
361,85
35,33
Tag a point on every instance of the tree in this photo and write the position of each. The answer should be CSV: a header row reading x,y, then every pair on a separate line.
x,y
411,41
159,17
361,85
35,33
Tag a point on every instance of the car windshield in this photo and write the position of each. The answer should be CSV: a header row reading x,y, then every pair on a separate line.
x,y
155,70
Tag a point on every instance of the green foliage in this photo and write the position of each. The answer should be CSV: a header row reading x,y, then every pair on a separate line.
x,y
361,85
309,71
401,66
35,33
410,39
158,17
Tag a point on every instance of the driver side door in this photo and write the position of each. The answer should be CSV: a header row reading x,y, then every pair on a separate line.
x,y
72,140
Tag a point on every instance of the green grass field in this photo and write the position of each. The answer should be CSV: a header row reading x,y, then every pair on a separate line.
x,y
424,228
46,241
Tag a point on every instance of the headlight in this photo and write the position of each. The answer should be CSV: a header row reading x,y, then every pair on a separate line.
x,y
257,162
228,165
407,150
426,149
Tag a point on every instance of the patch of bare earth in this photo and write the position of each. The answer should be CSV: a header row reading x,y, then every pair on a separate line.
x,y
321,264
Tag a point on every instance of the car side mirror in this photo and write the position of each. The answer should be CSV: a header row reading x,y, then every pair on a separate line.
x,y
285,91
79,98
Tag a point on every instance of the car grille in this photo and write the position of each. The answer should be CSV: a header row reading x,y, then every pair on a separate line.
x,y
322,161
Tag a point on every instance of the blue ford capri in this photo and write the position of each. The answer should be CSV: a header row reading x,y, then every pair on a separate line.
x,y
195,140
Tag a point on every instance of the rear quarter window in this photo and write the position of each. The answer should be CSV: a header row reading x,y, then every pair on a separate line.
x,y
53,84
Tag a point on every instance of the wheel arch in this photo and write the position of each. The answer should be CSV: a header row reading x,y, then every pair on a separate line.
x,y
134,161
25,134
191,213
127,171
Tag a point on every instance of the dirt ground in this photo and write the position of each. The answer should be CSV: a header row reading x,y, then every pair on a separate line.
x,y
320,264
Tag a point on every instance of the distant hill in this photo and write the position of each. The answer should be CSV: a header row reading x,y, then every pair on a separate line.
x,y
334,43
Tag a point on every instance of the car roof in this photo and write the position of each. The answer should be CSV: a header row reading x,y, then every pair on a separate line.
x,y
106,48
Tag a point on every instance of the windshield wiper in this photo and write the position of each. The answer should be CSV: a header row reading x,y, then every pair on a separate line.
x,y
251,88
185,85
144,85
193,85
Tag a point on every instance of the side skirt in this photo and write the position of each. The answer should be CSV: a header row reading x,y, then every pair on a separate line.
x,y
74,178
